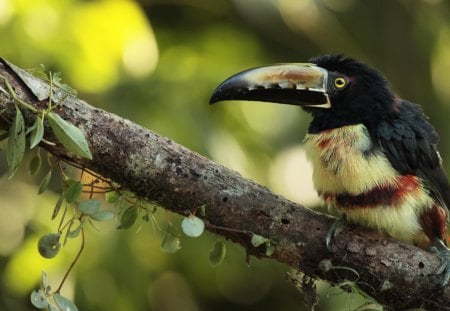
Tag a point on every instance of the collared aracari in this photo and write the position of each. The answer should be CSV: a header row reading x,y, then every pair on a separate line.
x,y
374,155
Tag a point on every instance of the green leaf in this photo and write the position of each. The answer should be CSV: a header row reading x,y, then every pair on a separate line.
x,y
39,299
217,254
258,240
57,207
35,164
52,307
128,218
202,210
73,192
44,279
112,196
71,137
64,303
270,248
49,245
37,133
56,79
76,232
103,215
39,72
44,182
89,207
193,226
170,243
146,217
16,143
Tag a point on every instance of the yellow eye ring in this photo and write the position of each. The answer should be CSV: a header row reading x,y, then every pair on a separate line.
x,y
339,83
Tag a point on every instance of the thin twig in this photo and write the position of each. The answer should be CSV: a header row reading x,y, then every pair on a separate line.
x,y
74,261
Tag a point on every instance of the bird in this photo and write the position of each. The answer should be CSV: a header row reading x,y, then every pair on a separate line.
x,y
374,155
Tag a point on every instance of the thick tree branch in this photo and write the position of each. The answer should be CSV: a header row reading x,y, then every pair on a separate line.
x,y
180,180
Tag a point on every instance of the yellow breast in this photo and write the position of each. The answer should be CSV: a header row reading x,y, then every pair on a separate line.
x,y
345,164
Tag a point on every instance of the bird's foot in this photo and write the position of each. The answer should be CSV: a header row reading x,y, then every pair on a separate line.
x,y
443,252
335,229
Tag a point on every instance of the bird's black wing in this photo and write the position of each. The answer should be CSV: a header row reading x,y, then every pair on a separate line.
x,y
410,143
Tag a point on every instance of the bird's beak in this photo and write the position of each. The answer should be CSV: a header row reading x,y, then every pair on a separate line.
x,y
301,84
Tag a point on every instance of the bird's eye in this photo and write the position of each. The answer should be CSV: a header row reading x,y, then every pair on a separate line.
x,y
339,83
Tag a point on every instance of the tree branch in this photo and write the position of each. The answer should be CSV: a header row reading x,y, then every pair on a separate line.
x,y
159,170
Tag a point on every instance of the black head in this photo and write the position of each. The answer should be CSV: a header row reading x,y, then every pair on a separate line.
x,y
364,97
336,90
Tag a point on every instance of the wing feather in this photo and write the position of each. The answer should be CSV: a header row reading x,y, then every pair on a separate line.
x,y
410,143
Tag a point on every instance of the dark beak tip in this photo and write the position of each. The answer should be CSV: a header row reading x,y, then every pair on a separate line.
x,y
215,97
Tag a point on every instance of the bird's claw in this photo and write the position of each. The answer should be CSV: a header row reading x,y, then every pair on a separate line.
x,y
335,229
443,252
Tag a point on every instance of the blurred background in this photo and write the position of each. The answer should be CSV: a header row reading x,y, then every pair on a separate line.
x,y
156,62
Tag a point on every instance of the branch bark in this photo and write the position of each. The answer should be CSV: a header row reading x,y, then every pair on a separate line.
x,y
159,170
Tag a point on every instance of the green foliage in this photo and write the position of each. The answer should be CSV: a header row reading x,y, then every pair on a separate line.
x,y
70,136
89,207
73,192
129,217
39,299
64,304
57,81
44,182
258,240
35,164
103,215
16,143
44,299
171,241
49,245
74,141
37,132
112,197
57,207
193,226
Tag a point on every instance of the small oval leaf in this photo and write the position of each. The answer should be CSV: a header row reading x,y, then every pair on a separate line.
x,y
73,192
76,232
112,196
103,215
89,207
217,254
70,136
39,299
49,245
128,218
44,182
64,303
170,243
258,240
16,143
193,226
